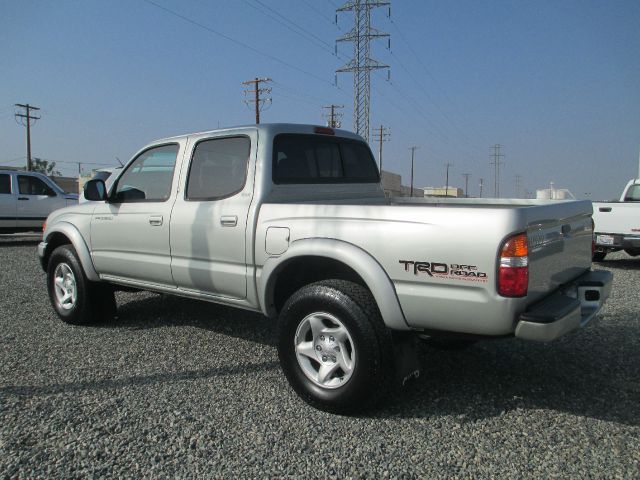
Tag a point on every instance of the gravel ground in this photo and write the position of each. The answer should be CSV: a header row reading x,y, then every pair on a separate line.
x,y
180,389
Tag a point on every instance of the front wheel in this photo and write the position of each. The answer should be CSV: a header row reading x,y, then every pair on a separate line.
x,y
75,299
334,347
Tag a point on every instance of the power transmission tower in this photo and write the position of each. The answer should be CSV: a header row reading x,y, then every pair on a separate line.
x,y
25,120
413,149
446,180
496,163
466,184
481,185
257,91
333,117
361,64
518,185
381,135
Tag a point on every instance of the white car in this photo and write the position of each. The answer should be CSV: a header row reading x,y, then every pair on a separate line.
x,y
27,199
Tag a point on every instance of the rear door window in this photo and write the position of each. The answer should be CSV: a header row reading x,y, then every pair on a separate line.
x,y
5,183
314,159
218,168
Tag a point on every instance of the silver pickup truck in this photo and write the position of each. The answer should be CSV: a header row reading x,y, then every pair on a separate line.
x,y
291,221
27,198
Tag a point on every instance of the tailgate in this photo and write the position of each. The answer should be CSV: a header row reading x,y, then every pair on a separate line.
x,y
619,218
559,250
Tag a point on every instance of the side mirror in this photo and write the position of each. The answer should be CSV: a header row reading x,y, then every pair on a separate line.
x,y
95,190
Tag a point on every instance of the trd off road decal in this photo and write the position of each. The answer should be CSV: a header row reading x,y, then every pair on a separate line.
x,y
452,271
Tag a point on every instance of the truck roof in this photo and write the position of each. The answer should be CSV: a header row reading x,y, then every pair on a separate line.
x,y
270,129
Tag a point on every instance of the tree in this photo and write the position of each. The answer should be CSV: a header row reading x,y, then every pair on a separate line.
x,y
43,166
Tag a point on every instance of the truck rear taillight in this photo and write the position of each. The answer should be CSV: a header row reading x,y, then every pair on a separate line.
x,y
513,271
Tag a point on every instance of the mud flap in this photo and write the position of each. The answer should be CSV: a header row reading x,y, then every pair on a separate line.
x,y
405,347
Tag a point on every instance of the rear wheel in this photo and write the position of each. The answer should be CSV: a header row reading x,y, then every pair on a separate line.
x,y
75,299
334,347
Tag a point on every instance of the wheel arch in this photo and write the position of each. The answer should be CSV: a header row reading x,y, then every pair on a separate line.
x,y
64,233
322,259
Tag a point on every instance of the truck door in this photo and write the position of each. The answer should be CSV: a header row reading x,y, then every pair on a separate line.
x,y
36,200
7,202
130,232
209,220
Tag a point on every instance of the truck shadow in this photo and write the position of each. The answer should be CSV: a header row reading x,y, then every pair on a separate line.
x,y
621,263
592,373
583,375
155,310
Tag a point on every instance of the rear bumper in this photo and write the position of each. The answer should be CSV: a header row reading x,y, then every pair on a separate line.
x,y
572,307
617,241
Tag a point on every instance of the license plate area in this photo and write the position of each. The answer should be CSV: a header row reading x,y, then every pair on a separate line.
x,y
604,239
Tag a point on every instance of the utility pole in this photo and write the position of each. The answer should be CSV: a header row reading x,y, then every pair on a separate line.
x,y
361,64
333,118
382,136
413,149
466,184
518,185
496,163
257,91
25,121
481,185
446,180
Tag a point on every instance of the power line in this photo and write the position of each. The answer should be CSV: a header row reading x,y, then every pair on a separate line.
x,y
25,121
428,72
413,149
382,136
319,12
257,91
290,25
496,163
333,117
466,184
361,64
237,42
446,180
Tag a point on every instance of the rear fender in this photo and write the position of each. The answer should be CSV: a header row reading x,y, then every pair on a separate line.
x,y
374,276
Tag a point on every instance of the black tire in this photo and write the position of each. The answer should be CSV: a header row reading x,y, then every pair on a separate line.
x,y
91,301
599,256
372,347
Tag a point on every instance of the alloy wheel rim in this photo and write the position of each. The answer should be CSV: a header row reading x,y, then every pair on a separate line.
x,y
325,350
65,287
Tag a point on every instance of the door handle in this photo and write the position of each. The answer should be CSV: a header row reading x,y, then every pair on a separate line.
x,y
23,198
605,209
229,220
155,220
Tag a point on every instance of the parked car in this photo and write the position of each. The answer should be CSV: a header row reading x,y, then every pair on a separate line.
x,y
617,224
27,198
292,221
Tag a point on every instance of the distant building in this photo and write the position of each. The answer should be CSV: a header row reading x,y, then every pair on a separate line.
x,y
552,193
392,185
443,192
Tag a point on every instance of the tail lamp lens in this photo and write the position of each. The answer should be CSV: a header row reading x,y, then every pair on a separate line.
x,y
513,272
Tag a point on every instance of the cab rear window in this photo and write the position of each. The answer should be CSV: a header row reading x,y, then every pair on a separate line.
x,y
315,159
